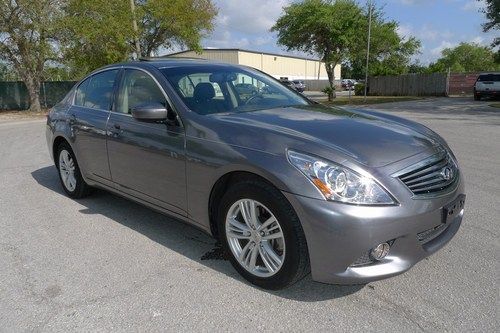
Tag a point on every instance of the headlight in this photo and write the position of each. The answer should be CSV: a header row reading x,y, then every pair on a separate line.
x,y
339,183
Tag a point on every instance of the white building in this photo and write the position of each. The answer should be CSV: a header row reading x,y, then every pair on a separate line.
x,y
277,65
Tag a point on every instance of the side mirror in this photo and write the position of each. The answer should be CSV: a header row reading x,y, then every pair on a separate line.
x,y
150,111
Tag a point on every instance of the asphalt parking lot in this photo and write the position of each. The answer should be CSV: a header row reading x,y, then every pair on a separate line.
x,y
106,264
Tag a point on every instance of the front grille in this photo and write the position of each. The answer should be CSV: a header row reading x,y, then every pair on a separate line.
x,y
431,176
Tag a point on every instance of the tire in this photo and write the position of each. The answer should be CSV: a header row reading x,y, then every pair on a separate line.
x,y
69,173
292,247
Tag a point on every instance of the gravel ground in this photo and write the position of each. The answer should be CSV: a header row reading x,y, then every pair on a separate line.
x,y
106,264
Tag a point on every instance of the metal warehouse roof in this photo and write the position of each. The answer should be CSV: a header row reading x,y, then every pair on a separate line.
x,y
245,50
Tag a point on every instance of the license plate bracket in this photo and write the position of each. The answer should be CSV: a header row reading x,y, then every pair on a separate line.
x,y
451,210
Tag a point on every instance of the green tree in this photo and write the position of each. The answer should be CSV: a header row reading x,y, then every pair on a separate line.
x,y
329,29
337,32
100,32
165,23
95,33
492,12
27,39
390,53
466,57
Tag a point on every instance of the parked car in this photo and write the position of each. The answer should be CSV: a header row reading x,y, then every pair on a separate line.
x,y
348,84
299,85
287,185
246,89
487,85
288,83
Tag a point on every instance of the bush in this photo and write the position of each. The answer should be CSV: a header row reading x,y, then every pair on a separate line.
x,y
359,89
330,92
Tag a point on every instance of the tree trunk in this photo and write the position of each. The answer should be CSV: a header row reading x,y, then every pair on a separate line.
x,y
330,71
33,86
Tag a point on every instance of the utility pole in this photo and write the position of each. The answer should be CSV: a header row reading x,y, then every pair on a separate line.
x,y
368,46
136,31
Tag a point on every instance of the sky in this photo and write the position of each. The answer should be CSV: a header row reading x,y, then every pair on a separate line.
x,y
438,24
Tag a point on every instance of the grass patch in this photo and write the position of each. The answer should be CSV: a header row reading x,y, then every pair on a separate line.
x,y
495,105
360,100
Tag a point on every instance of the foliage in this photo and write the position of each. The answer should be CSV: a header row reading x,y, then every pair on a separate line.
x,y
359,89
165,23
492,12
330,92
329,29
390,53
337,32
100,32
95,33
7,73
27,38
466,57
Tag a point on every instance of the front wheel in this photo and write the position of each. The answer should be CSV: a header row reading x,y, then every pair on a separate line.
x,y
262,235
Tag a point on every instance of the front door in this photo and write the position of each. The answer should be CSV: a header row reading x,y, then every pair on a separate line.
x,y
147,159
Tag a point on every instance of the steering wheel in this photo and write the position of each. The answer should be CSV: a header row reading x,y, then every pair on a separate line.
x,y
252,98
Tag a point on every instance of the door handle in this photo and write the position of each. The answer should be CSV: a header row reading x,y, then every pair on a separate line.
x,y
117,126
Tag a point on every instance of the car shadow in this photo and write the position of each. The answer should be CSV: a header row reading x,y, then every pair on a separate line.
x,y
182,238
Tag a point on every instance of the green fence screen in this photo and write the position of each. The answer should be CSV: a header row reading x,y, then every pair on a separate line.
x,y
14,95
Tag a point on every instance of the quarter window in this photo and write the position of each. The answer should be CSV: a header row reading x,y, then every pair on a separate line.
x,y
81,92
138,88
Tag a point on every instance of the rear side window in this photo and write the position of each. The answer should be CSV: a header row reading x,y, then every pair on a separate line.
x,y
96,92
489,77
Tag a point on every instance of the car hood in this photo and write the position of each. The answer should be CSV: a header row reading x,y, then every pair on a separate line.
x,y
369,139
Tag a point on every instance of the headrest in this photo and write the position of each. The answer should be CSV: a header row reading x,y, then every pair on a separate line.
x,y
204,91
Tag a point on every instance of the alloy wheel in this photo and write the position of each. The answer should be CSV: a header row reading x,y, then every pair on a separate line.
x,y
255,237
67,170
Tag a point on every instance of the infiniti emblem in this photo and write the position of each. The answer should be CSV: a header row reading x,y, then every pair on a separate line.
x,y
447,173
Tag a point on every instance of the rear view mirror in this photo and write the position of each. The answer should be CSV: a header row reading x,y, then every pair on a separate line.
x,y
150,111
223,77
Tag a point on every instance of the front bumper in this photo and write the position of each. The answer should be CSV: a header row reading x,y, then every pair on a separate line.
x,y
487,93
338,235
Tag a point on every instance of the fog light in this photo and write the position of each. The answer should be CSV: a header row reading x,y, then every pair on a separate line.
x,y
380,251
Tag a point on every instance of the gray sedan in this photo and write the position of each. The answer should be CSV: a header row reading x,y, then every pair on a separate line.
x,y
288,186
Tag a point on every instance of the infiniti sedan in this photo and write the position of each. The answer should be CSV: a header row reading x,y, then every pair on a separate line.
x,y
288,186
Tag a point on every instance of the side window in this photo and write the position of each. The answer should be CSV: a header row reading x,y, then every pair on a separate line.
x,y
137,88
99,92
81,91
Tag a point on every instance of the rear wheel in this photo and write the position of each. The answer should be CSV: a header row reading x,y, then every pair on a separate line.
x,y
69,173
262,235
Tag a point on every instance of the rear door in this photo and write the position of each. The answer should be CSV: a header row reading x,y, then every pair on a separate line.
x,y
147,159
88,118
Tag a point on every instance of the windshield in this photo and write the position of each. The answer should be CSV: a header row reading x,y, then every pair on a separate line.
x,y
208,89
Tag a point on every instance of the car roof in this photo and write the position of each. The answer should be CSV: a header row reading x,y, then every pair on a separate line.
x,y
171,62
